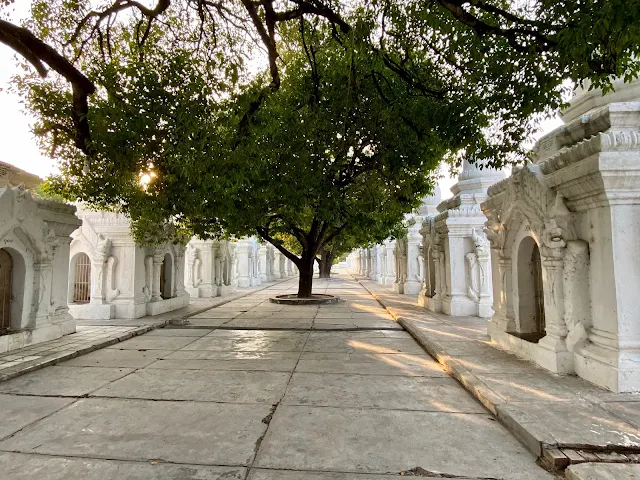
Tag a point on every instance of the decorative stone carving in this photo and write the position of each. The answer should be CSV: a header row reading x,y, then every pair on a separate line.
x,y
578,206
125,277
459,262
209,268
112,292
35,236
400,256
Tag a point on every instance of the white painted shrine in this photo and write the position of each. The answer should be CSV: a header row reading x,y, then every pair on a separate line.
x,y
457,267
564,236
34,258
111,276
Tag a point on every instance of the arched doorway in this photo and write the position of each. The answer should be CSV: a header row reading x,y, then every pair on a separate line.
x,y
6,289
166,277
82,279
530,291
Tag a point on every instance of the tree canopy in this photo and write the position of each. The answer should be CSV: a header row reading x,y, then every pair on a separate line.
x,y
515,53
173,119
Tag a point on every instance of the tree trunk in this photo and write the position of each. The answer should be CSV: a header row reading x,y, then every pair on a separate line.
x,y
305,282
326,262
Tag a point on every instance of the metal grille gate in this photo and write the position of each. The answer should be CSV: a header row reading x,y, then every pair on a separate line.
x,y
82,279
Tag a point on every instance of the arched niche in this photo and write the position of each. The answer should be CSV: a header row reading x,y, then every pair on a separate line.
x,y
530,296
12,289
23,250
79,279
166,277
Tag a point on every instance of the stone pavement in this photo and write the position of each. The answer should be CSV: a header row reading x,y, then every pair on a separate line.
x,y
562,418
258,391
95,334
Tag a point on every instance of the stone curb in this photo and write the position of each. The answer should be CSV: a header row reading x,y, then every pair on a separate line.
x,y
34,365
556,456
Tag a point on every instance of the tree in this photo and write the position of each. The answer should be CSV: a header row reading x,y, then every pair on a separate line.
x,y
344,137
341,147
357,236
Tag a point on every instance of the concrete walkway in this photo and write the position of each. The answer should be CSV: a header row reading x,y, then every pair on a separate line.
x,y
92,335
253,390
561,418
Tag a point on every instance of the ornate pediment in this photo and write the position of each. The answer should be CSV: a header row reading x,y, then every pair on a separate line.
x,y
524,199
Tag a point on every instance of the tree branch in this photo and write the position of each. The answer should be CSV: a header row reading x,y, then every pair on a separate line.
x,y
39,53
264,233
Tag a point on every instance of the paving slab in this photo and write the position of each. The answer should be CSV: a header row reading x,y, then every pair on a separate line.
x,y
18,466
447,333
260,474
386,392
19,411
353,323
250,341
179,332
627,411
154,343
208,360
271,322
603,471
113,357
343,342
198,385
528,387
283,314
193,432
367,333
207,322
572,424
86,339
392,441
469,348
63,381
217,313
370,364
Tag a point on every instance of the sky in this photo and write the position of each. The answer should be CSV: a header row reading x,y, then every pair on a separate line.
x,y
17,143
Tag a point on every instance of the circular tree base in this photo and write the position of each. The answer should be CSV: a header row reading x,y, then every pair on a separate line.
x,y
315,299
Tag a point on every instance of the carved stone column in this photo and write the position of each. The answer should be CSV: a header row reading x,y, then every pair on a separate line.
x,y
276,264
190,259
158,259
43,272
415,268
374,263
401,266
383,264
390,268
244,265
282,266
435,304
558,359
97,280
178,277
485,300
443,290
262,263
98,271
